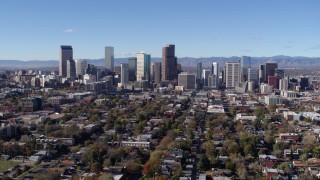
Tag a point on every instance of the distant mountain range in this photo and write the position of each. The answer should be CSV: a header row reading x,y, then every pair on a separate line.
x,y
283,61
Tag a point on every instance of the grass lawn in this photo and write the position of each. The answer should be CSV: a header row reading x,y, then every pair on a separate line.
x,y
5,165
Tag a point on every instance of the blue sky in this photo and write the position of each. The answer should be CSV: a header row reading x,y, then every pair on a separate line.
x,y
35,29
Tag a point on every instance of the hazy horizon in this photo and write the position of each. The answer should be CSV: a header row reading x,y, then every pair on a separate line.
x,y
161,57
35,29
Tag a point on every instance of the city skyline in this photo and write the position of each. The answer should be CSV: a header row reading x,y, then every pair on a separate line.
x,y
214,28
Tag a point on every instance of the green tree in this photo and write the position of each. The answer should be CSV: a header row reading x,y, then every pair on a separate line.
x,y
248,150
316,151
204,163
257,123
259,112
230,165
106,176
133,167
48,175
233,110
230,146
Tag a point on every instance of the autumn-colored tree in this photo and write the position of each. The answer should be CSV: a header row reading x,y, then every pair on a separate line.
x,y
242,171
272,107
96,167
152,166
309,141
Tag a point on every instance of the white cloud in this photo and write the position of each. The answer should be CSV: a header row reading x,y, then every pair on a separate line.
x,y
69,30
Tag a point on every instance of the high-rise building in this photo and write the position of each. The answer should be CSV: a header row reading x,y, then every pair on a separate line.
x,y
151,72
279,73
273,81
157,72
270,69
169,63
253,75
187,80
132,68
232,74
124,73
143,66
216,71
245,62
284,84
215,68
262,74
81,66
91,69
212,81
265,88
71,68
251,86
179,68
304,83
199,71
109,59
223,72
66,53
205,76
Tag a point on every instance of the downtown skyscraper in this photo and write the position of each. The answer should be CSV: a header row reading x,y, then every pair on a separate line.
x,y
71,68
124,73
81,66
132,61
66,53
169,63
245,63
143,66
157,72
270,69
232,74
215,70
199,71
109,59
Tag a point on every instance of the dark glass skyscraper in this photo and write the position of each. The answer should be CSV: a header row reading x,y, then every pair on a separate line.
x,y
304,83
66,53
199,71
271,69
132,68
279,73
169,63
262,74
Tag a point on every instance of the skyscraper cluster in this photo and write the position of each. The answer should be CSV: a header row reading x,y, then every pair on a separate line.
x,y
141,71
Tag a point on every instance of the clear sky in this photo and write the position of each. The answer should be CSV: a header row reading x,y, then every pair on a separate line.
x,y
34,29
